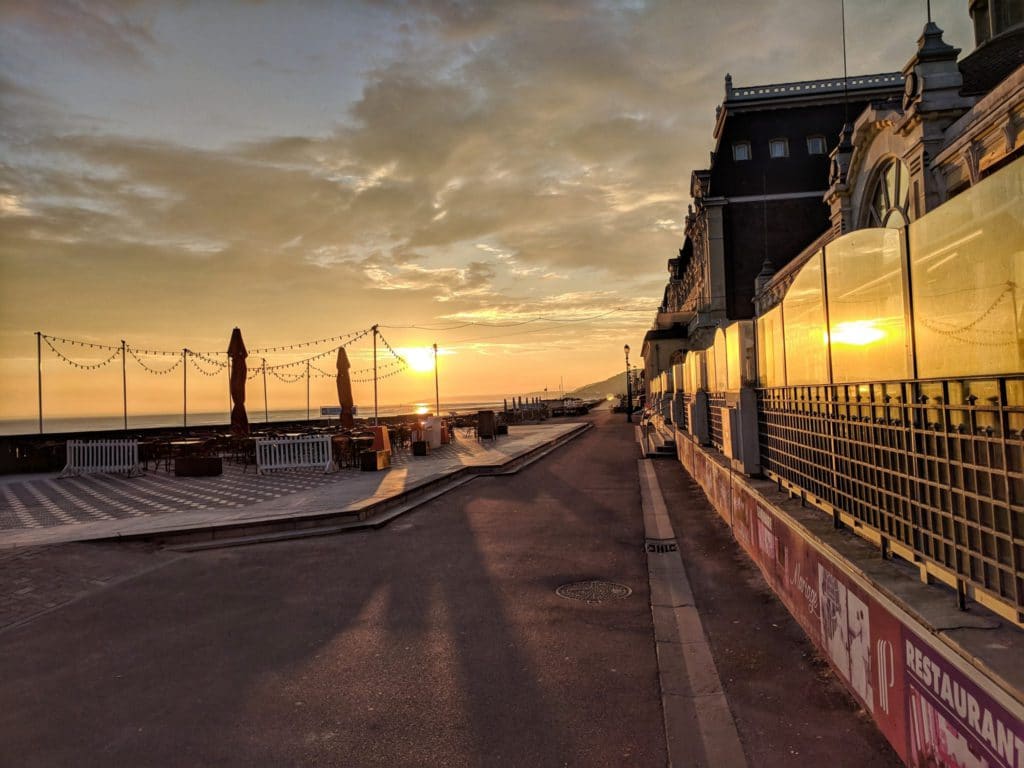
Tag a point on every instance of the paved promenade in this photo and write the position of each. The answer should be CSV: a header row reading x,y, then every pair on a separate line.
x,y
45,509
455,636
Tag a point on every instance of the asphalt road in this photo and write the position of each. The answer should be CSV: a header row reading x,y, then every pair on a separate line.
x,y
436,641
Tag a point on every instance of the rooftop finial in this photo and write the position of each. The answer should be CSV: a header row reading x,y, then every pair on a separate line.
x,y
929,4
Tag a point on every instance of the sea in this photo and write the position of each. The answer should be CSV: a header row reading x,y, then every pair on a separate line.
x,y
58,424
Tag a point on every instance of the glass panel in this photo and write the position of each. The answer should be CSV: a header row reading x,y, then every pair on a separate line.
x,y
734,356
711,370
721,362
967,270
805,333
700,371
866,309
771,360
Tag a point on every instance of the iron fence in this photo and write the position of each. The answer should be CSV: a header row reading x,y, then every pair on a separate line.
x,y
716,401
683,417
937,466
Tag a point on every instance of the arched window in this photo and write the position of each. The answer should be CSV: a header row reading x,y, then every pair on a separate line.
x,y
888,198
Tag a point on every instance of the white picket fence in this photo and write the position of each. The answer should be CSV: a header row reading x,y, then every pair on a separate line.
x,y
294,453
88,457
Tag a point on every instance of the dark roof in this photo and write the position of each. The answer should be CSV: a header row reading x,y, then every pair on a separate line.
x,y
827,89
664,334
992,62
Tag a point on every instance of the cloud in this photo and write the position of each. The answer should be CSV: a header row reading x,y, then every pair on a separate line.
x,y
101,29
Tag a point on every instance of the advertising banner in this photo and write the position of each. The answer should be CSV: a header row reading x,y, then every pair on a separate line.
x,y
925,700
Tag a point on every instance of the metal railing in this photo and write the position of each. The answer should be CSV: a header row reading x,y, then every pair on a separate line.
x,y
294,453
937,466
716,401
683,418
88,457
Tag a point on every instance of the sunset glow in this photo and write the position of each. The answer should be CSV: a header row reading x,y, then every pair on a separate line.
x,y
506,180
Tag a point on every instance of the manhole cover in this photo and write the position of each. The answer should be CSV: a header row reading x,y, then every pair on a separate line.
x,y
594,591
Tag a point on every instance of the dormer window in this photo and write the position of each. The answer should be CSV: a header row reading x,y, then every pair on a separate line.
x,y
740,150
816,145
778,148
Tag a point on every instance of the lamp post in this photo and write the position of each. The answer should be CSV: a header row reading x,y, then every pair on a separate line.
x,y
629,388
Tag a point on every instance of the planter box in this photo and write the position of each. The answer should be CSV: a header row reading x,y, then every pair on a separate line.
x,y
420,448
501,429
198,466
373,461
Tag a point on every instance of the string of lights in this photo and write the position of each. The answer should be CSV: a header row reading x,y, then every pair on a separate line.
x,y
390,349
84,366
345,339
379,378
287,379
195,364
78,343
145,366
207,359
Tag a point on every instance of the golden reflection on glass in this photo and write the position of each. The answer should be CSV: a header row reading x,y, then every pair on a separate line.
x,y
721,362
967,270
771,352
805,334
866,308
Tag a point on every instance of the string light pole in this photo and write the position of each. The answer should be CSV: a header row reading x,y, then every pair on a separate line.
x,y
629,388
374,329
184,387
307,390
39,366
437,391
266,409
124,381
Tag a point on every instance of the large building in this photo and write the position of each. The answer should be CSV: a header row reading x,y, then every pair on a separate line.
x,y
850,327
855,253
795,165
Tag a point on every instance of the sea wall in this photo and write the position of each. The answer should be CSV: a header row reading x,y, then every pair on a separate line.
x,y
933,704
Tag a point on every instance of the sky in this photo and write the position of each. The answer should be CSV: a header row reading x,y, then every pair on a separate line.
x,y
505,179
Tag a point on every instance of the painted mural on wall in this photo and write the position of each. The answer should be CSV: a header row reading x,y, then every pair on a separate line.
x,y
922,697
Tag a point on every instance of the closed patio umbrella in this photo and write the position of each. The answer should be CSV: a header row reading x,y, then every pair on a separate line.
x,y
345,389
239,371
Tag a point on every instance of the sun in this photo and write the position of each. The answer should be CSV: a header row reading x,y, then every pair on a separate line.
x,y
420,359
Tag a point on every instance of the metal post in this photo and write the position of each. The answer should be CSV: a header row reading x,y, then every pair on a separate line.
x,y
230,403
39,365
266,410
124,382
437,391
184,387
629,389
374,329
307,390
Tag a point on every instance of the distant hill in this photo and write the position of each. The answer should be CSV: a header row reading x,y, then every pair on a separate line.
x,y
613,385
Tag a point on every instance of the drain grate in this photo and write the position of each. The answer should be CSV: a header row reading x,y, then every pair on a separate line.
x,y
594,591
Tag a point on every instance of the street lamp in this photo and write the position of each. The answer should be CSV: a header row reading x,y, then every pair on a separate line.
x,y
629,388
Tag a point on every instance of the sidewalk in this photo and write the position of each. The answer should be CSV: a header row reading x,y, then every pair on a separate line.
x,y
39,510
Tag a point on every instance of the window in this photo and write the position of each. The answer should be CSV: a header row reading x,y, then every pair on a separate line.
x,y
888,202
741,150
816,145
778,148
